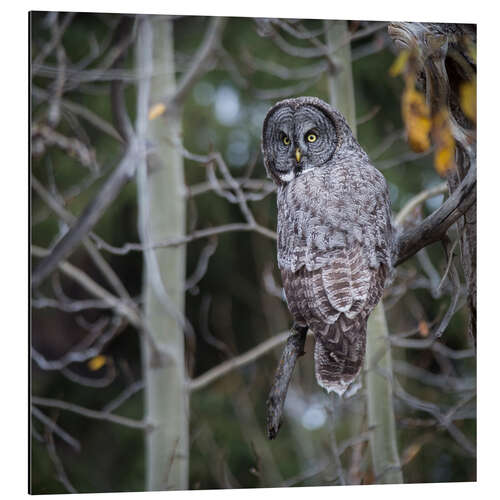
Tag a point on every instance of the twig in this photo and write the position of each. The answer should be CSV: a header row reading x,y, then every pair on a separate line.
x,y
80,354
69,218
71,441
201,60
434,410
126,394
418,200
71,145
92,213
53,42
94,288
237,362
93,414
62,477
83,112
202,265
188,238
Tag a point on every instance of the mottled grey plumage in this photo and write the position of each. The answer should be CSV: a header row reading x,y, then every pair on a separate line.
x,y
335,234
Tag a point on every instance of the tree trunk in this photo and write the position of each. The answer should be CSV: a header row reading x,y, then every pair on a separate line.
x,y
381,421
162,216
383,442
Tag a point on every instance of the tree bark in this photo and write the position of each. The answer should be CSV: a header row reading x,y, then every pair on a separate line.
x,y
446,60
162,216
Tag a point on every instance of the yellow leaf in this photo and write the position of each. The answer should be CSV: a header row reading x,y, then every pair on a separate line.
x,y
468,99
444,155
423,328
471,49
156,110
410,453
399,63
416,116
97,362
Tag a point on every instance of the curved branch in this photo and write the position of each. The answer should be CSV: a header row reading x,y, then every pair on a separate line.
x,y
237,362
434,227
89,217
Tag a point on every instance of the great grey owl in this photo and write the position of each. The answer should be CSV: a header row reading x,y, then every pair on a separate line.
x,y
335,234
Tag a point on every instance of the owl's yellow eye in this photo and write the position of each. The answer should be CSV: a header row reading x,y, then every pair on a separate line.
x,y
311,137
286,140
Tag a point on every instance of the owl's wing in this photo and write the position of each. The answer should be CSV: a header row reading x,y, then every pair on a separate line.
x,y
346,285
335,302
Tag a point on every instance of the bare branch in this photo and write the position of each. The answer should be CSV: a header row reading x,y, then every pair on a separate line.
x,y
201,61
71,441
237,362
434,227
55,40
418,200
96,340
202,265
69,218
47,136
94,288
124,396
93,414
182,240
92,213
62,477
276,400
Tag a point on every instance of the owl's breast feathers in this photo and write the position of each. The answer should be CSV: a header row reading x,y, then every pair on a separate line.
x,y
334,249
331,208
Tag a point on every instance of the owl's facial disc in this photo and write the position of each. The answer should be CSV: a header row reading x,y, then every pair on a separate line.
x,y
301,140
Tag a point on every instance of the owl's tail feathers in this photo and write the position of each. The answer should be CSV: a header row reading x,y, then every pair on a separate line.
x,y
339,353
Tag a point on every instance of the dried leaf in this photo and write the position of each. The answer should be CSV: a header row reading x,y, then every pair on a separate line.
x,y
468,99
156,110
416,116
410,453
97,362
444,156
423,328
399,63
471,49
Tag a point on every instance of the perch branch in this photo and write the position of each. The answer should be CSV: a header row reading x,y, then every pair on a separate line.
x,y
433,228
293,349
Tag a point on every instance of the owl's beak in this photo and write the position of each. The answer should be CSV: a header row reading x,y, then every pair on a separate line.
x,y
298,154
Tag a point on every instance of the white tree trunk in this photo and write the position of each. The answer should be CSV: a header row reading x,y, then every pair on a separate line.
x,y
162,216
383,441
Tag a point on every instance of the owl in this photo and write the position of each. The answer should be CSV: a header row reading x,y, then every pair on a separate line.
x,y
335,234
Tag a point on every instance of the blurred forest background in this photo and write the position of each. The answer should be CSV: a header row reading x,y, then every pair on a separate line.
x,y
92,394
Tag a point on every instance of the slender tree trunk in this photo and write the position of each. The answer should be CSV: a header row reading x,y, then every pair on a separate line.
x,y
381,421
340,84
383,441
162,216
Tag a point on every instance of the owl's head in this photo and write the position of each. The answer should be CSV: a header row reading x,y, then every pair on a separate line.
x,y
299,135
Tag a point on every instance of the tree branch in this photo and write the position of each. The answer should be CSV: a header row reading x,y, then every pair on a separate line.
x,y
92,213
434,227
94,288
86,412
237,362
276,400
